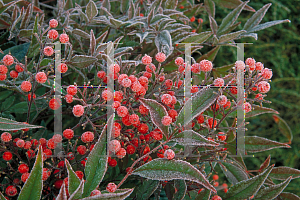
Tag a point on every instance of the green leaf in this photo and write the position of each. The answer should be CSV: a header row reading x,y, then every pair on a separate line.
x,y
154,6
119,194
4,7
45,62
247,188
265,164
32,188
7,103
146,189
199,38
210,7
233,172
34,45
257,110
2,197
96,164
21,107
203,195
199,102
289,196
211,55
253,35
19,51
181,189
230,36
82,61
282,173
62,193
117,23
171,4
10,125
77,194
163,170
91,10
231,4
163,42
256,17
272,191
267,25
157,112
74,181
231,18
213,25
124,6
231,134
254,144
81,33
284,128
5,94
190,137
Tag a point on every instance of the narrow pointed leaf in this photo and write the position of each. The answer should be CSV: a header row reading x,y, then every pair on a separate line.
x,y
255,144
199,38
289,196
231,18
230,36
163,170
233,172
81,33
231,134
92,43
101,37
247,188
146,189
213,25
231,4
91,10
190,137
272,191
267,25
253,35
10,125
171,4
284,127
163,42
211,55
157,112
82,61
74,181
119,194
282,173
265,164
77,194
210,7
32,189
257,110
2,197
96,164
200,101
180,186
256,17
62,193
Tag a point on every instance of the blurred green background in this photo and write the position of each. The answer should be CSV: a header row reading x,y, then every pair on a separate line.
x,y
278,48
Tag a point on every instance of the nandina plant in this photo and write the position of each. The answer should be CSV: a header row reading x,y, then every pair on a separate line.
x,y
134,140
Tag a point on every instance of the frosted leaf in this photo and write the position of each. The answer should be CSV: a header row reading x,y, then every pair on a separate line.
x,y
191,137
119,194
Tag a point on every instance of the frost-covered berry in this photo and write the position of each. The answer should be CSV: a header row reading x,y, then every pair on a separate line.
x,y
54,104
41,77
62,68
121,153
222,137
19,67
78,110
216,197
143,110
69,98
239,65
20,143
107,95
166,120
136,86
68,134
166,99
24,177
200,119
26,86
7,156
11,191
53,23
196,68
6,137
251,63
247,107
160,57
8,60
48,51
81,149
95,192
126,82
194,89
52,34
206,65
222,100
111,187
122,111
210,122
46,174
2,77
150,68
87,136
143,80
266,73
173,114
130,149
143,128
168,83
57,138
13,74
259,96
50,144
161,78
112,162
3,69
115,68
181,68
114,146
179,61
259,66
263,87
23,168
101,74
178,83
134,119
146,60
169,154
219,82
64,38
233,90
72,90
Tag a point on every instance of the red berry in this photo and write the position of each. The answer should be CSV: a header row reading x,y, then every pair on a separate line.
x,y
48,51
114,68
263,87
19,67
11,191
143,128
222,136
122,111
2,77
107,95
166,120
215,177
251,63
72,90
52,34
200,119
8,60
24,177
233,90
54,104
53,23
156,135
216,184
130,149
192,19
219,82
87,136
121,153
79,174
169,154
13,74
27,145
210,122
29,96
23,168
95,192
20,143
222,100
62,68
196,68
69,98
247,107
64,38
146,60
134,119
114,146
160,57
259,66
166,99
179,61
111,187
7,156
51,144
266,73
26,86
58,183
168,83
101,74
81,149
206,65
78,110
6,137
160,153
112,163
216,197
239,65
